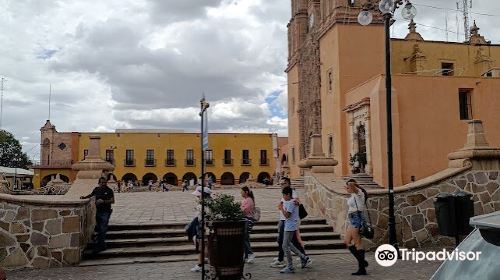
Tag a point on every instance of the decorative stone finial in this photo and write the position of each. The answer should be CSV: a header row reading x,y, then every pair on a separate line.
x,y
413,34
475,37
317,161
476,151
93,165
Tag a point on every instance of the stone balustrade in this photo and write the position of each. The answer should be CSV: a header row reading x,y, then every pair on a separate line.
x,y
40,232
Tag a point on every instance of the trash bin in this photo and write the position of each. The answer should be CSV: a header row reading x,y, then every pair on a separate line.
x,y
453,212
464,209
445,214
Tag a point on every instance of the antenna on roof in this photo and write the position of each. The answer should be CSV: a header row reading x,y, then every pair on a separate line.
x,y
1,101
466,5
50,97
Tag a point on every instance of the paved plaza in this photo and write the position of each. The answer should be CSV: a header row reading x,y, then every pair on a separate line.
x,y
325,267
167,207
177,206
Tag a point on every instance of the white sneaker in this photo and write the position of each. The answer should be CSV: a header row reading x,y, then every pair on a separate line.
x,y
277,264
251,258
196,268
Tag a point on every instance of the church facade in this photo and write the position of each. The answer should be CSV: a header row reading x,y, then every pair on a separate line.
x,y
336,88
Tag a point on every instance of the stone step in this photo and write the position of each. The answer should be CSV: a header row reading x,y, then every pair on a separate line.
x,y
181,225
191,258
155,251
149,233
164,241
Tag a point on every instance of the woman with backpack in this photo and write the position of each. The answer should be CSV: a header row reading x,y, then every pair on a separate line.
x,y
356,204
248,208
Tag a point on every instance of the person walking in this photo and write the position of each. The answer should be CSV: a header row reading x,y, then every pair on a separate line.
x,y
104,197
356,204
248,208
279,262
185,186
291,212
207,193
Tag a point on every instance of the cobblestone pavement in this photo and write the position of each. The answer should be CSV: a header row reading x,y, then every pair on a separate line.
x,y
333,266
177,206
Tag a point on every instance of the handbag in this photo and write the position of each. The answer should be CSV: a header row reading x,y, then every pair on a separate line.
x,y
366,229
302,212
256,214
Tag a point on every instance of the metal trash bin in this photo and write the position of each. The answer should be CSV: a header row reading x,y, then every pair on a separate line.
x,y
453,212
464,209
445,214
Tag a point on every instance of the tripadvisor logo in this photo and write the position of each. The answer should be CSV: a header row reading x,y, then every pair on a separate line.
x,y
387,255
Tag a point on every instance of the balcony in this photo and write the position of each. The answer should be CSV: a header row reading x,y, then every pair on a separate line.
x,y
53,164
264,161
209,162
129,162
170,162
246,161
227,161
190,162
150,162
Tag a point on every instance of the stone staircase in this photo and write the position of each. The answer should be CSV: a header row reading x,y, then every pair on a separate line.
x,y
297,183
364,180
168,242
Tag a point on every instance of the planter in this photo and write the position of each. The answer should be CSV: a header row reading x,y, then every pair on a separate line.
x,y
225,248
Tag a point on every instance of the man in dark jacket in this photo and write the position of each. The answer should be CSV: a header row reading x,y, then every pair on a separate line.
x,y
104,197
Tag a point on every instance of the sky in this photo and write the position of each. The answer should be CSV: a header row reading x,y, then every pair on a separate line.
x,y
120,64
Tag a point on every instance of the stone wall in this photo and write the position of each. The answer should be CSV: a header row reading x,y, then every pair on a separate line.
x,y
43,232
414,204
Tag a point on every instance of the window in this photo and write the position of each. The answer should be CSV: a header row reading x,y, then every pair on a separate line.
x,y
351,2
150,157
292,106
447,69
209,157
330,81
110,157
245,157
189,157
263,157
85,153
293,155
170,158
227,157
465,104
129,158
330,146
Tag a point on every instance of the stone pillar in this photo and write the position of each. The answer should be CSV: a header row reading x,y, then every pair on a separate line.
x,y
476,152
317,162
368,167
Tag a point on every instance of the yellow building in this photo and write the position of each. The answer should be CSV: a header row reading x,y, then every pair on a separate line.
x,y
144,155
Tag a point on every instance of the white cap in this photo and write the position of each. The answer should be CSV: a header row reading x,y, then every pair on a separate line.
x,y
206,190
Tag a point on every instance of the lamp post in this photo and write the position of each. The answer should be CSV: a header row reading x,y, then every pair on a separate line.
x,y
365,17
203,145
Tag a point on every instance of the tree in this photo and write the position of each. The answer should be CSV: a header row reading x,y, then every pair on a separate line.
x,y
11,153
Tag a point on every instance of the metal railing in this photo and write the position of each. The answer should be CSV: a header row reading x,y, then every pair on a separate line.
x,y
190,162
227,161
170,162
150,162
129,162
246,161
264,161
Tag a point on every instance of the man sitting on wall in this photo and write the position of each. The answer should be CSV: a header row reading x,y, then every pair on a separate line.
x,y
104,197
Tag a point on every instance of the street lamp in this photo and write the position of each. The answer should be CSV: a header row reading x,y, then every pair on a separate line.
x,y
203,145
365,17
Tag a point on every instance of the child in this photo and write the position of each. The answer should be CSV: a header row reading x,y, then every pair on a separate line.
x,y
291,213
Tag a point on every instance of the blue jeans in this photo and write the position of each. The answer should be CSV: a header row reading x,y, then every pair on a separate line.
x,y
248,230
101,227
356,219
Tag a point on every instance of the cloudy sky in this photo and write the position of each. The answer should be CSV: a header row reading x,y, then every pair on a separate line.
x,y
145,63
